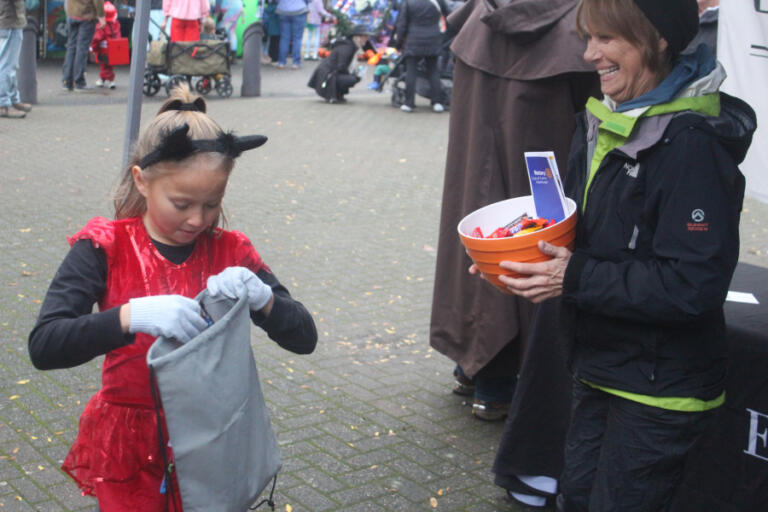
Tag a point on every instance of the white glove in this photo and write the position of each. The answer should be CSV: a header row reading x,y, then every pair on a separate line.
x,y
172,316
236,282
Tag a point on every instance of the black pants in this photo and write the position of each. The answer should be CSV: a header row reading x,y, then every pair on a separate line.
x,y
79,35
344,82
274,48
411,73
621,455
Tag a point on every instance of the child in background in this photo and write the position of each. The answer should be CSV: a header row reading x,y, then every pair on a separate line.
x,y
142,269
382,69
110,30
315,18
208,29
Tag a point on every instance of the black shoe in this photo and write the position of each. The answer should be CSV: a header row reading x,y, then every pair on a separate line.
x,y
66,86
548,502
490,411
462,385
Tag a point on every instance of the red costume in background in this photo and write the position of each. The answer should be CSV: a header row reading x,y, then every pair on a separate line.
x,y
110,30
116,455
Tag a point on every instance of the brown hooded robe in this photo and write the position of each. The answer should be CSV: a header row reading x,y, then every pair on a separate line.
x,y
518,81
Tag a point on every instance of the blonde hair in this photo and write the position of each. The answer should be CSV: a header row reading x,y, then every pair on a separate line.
x,y
127,199
209,25
624,19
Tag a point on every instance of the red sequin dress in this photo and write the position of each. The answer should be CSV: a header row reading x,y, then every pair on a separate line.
x,y
116,454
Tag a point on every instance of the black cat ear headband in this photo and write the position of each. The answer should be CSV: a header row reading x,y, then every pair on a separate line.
x,y
176,144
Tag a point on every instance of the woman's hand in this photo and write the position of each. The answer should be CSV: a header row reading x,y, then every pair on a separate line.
x,y
543,280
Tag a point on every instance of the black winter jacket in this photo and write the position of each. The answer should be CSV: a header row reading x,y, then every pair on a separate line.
x,y
655,251
324,78
417,29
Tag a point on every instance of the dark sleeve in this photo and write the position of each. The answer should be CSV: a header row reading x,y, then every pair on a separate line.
x,y
289,323
68,333
401,25
689,274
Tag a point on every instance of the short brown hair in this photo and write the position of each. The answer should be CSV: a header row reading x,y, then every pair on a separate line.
x,y
624,19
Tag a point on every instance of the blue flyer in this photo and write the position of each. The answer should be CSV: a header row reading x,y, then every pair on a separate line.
x,y
546,187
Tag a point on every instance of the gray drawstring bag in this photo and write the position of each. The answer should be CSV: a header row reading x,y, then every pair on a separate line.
x,y
225,451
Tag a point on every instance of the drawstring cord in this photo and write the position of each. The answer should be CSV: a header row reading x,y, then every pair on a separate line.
x,y
269,501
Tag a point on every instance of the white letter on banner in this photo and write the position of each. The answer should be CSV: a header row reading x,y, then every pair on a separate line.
x,y
755,424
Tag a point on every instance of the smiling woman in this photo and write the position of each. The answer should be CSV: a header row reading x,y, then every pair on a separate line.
x,y
654,170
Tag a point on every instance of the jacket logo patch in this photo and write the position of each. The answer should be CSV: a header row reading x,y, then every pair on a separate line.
x,y
698,224
632,170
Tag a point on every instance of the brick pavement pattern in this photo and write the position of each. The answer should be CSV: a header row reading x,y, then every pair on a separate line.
x,y
343,203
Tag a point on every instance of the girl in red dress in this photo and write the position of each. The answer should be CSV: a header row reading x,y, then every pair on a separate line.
x,y
142,269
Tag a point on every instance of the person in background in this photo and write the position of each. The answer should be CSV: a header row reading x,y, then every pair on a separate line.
x,y
418,36
232,11
317,14
293,18
271,45
653,170
110,30
186,17
13,19
83,16
332,78
518,81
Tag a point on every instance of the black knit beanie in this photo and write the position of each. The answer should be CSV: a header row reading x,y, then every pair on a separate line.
x,y
676,20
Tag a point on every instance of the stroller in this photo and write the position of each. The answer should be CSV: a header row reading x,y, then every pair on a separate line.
x,y
445,62
206,62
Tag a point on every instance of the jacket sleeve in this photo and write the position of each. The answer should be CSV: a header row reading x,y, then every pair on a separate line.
x,y
68,333
697,192
289,323
98,36
321,9
401,25
98,5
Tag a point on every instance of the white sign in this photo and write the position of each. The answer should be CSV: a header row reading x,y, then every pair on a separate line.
x,y
757,441
742,47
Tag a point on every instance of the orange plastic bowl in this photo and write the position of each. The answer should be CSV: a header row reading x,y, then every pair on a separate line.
x,y
487,253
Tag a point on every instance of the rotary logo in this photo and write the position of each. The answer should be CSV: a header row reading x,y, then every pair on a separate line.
x,y
698,224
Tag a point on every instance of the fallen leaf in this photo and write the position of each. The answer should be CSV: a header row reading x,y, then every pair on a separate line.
x,y
433,502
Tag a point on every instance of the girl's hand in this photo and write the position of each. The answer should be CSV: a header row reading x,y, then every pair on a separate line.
x,y
544,280
172,316
236,282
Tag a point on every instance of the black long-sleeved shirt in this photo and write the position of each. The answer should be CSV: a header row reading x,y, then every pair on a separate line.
x,y
69,333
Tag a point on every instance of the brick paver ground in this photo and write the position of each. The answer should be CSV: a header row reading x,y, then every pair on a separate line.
x,y
343,203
